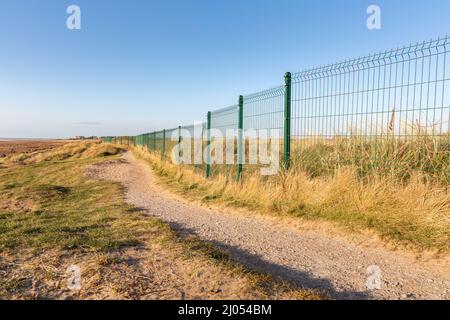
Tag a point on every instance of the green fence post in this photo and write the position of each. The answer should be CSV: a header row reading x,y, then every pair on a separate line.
x,y
240,136
208,145
287,120
154,141
163,152
180,150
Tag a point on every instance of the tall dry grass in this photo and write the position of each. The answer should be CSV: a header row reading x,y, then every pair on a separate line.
x,y
423,155
339,181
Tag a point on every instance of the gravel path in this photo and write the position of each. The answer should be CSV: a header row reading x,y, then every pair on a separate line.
x,y
307,258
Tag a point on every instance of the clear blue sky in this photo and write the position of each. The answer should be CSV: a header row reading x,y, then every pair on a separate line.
x,y
141,65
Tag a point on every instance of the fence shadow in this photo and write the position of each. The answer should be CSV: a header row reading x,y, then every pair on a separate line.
x,y
299,279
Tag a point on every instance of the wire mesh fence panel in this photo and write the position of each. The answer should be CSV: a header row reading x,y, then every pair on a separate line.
x,y
159,142
192,146
146,141
263,128
139,140
171,138
224,119
224,124
381,112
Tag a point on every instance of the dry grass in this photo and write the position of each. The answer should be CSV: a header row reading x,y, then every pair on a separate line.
x,y
413,211
52,216
422,155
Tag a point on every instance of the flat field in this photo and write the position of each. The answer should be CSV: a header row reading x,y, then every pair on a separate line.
x,y
27,146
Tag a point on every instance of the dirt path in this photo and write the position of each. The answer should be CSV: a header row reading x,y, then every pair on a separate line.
x,y
304,257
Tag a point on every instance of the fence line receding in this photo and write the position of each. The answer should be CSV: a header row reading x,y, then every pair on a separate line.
x,y
384,112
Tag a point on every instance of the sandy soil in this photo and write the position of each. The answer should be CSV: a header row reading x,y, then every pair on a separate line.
x,y
152,272
307,258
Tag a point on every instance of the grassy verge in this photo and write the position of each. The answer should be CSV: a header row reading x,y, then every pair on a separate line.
x,y
52,217
414,212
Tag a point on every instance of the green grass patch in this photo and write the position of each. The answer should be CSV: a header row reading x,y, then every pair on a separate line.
x,y
69,211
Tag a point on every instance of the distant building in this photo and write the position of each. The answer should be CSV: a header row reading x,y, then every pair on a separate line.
x,y
85,138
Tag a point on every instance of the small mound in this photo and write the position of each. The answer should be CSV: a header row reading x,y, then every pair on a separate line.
x,y
110,151
102,150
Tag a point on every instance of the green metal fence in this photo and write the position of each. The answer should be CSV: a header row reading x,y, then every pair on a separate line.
x,y
388,111
223,125
264,112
